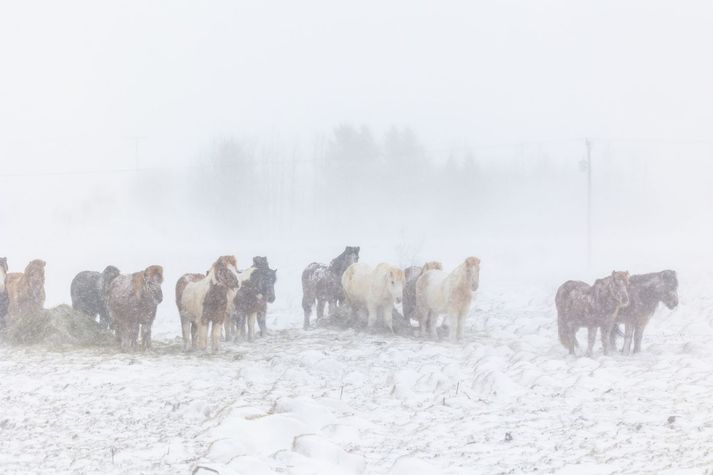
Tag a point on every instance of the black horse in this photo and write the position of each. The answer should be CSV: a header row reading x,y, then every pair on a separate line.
x,y
324,283
89,289
252,297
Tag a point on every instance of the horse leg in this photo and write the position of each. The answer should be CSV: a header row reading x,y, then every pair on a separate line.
x,y
215,337
251,326
628,333
320,308
461,325
306,307
431,324
261,322
372,314
388,317
591,338
202,335
452,327
186,327
638,334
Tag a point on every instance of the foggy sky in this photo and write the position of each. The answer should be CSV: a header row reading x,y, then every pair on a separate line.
x,y
457,72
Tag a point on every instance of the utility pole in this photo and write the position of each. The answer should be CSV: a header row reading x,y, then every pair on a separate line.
x,y
588,144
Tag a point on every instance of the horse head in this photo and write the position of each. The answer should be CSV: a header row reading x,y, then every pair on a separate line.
x,y
472,265
395,283
669,292
153,278
224,272
265,279
619,287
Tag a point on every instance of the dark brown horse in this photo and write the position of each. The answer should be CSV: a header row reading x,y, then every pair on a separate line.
x,y
592,306
132,301
323,284
645,293
255,292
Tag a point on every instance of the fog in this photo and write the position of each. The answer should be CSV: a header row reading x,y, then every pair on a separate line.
x,y
171,132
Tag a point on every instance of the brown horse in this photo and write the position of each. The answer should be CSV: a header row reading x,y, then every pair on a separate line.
x,y
592,306
26,291
131,302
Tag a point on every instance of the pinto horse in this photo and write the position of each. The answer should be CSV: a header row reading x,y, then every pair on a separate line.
x,y
26,291
257,289
202,301
440,293
323,284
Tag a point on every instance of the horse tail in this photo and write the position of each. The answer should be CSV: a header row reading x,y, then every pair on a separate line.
x,y
562,327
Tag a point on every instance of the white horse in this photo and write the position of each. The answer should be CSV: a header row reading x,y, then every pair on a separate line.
x,y
376,289
202,300
439,293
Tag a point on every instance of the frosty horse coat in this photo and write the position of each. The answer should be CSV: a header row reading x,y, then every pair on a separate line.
x,y
324,283
375,289
26,291
202,301
257,289
3,291
131,302
439,293
645,293
89,290
592,306
411,275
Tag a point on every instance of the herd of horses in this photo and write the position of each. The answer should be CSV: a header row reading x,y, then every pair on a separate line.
x,y
226,302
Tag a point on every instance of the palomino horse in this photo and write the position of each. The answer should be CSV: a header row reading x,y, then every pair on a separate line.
x,y
411,275
131,302
645,293
592,306
439,293
89,290
257,289
202,301
3,290
324,283
376,289
26,291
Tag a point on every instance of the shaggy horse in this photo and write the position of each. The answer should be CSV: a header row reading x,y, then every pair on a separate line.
x,y
411,275
131,301
645,293
376,289
593,306
324,283
257,289
3,290
89,289
202,301
440,293
26,291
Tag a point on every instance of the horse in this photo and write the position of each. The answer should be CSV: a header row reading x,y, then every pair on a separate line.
x,y
202,301
376,289
324,283
26,291
411,275
440,293
645,293
131,301
593,306
3,291
88,290
257,289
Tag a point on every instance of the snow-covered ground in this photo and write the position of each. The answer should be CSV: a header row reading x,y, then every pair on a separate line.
x,y
506,400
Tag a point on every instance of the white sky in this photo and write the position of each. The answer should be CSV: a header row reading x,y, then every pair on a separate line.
x,y
475,72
